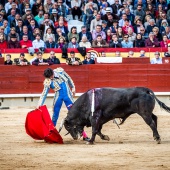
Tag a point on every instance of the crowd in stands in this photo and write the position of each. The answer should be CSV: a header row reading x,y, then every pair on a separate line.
x,y
107,23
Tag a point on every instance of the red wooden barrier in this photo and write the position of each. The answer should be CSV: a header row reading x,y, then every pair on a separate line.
x,y
29,79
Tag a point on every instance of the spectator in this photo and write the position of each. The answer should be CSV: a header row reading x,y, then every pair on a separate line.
x,y
137,26
108,36
147,19
13,7
19,28
151,10
25,43
163,3
115,43
163,17
72,60
103,54
59,34
13,42
129,14
35,7
150,26
110,20
122,20
28,20
8,60
140,12
45,25
167,32
63,28
120,33
76,8
126,43
1,20
158,35
143,33
61,43
139,42
73,33
151,41
3,43
28,14
6,27
117,54
158,12
2,32
48,34
130,54
53,59
21,60
54,17
61,18
88,59
126,26
114,27
37,31
25,31
132,35
99,42
95,22
39,17
98,31
61,8
104,26
86,33
14,22
12,32
50,43
32,25
164,43
40,60
90,13
48,6
164,24
24,6
8,5
73,43
116,6
84,42
157,59
38,43
142,53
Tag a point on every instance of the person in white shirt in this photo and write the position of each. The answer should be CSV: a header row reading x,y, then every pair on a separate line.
x,y
38,43
8,5
84,42
75,6
95,22
157,59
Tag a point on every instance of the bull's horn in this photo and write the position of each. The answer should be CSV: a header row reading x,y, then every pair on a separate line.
x,y
66,133
61,125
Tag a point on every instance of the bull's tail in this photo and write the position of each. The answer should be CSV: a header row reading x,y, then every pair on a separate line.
x,y
161,104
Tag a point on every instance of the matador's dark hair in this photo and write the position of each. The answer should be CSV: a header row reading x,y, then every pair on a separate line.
x,y
48,73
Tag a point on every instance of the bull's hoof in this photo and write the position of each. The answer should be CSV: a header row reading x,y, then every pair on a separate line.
x,y
106,137
89,143
158,141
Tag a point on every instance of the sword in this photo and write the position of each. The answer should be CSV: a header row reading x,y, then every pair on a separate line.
x,y
114,121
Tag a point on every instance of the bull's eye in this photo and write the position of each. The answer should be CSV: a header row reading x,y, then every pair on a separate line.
x,y
68,127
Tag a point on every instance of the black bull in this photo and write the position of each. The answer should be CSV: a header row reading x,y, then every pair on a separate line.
x,y
111,103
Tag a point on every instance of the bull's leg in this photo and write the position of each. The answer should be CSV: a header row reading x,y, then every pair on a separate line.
x,y
95,120
152,122
102,136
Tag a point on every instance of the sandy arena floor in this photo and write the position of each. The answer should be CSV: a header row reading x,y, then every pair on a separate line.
x,y
130,148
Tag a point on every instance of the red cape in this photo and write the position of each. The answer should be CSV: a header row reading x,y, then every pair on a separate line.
x,y
39,126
